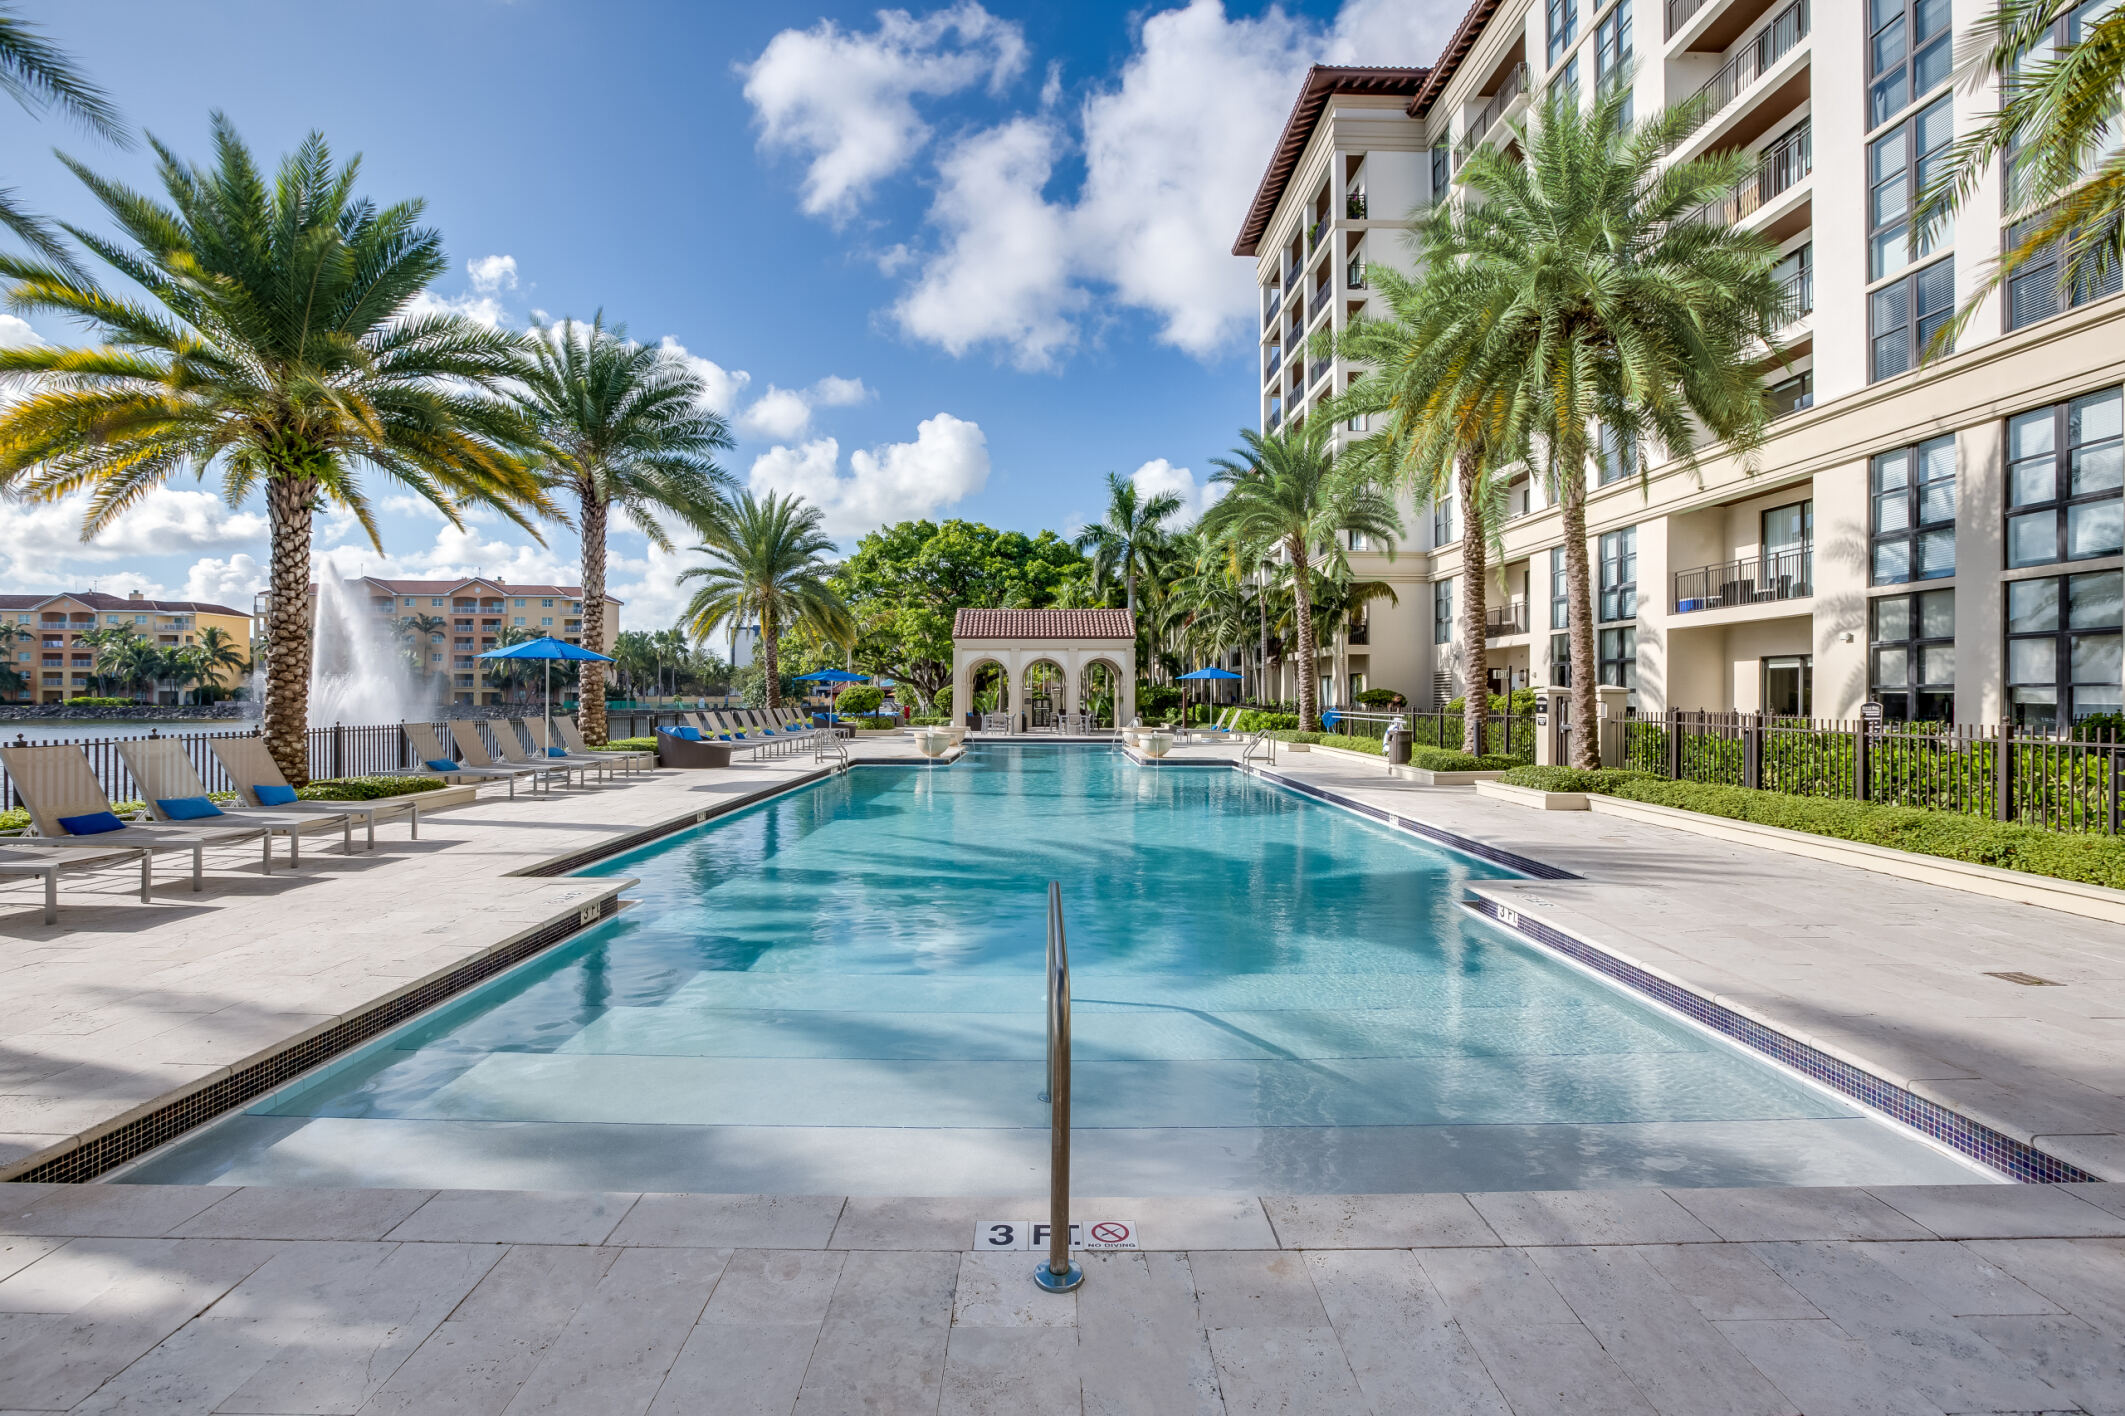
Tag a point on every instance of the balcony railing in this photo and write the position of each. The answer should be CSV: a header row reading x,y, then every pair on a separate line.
x,y
1318,372
1276,302
1514,84
1771,44
1320,293
1680,12
1502,620
1276,360
1784,164
1358,636
1316,234
1354,273
1799,293
1752,580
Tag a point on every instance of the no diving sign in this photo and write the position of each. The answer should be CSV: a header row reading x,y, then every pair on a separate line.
x,y
1092,1234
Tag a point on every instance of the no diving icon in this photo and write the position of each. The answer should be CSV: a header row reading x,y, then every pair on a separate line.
x,y
1097,1234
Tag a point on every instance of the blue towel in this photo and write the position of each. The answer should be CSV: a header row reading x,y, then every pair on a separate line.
x,y
438,764
274,795
186,808
95,823
689,734
556,752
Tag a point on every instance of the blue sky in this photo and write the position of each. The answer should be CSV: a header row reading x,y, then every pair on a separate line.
x,y
949,260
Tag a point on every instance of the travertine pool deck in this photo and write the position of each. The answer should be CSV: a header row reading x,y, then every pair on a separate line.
x,y
171,1299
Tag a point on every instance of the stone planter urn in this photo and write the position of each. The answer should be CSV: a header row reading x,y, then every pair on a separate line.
x,y
1157,744
931,744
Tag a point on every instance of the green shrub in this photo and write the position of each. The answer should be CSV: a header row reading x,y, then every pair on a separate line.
x,y
1572,779
859,698
640,744
929,722
367,788
1257,720
1520,703
16,820
100,703
1442,759
1380,698
1156,702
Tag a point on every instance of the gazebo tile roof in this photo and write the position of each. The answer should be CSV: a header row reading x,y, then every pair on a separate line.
x,y
1043,624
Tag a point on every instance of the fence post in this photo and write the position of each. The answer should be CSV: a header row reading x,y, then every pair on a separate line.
x,y
1674,744
1752,752
1862,765
2117,781
339,749
2003,774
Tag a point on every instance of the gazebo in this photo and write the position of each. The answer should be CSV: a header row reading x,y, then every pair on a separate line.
x,y
1071,640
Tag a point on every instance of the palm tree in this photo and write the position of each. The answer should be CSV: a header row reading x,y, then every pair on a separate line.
x,y
275,349
766,570
2059,130
13,680
39,76
415,633
1577,285
1286,491
219,654
1123,544
622,425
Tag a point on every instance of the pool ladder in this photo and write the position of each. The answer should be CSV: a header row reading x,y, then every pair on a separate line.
x,y
1263,741
1057,1274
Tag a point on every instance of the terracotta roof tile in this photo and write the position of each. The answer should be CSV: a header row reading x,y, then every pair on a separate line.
x,y
1043,624
1323,81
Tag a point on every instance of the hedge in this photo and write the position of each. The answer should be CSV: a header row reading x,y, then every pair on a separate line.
x,y
929,722
1259,720
92,702
2090,859
1431,759
859,699
1572,779
367,788
640,744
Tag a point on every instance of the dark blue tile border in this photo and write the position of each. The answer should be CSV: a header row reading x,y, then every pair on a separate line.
x,y
1496,855
1979,1142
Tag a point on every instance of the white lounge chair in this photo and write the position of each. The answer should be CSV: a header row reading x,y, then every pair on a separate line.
x,y
429,748
539,755
56,784
475,757
571,739
50,866
509,740
165,774
250,767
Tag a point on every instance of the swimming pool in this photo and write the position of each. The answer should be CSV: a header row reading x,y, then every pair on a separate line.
x,y
839,991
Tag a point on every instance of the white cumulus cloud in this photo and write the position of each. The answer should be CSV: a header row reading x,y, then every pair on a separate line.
x,y
492,273
947,462
845,100
1159,476
779,413
723,387
225,581
16,333
833,391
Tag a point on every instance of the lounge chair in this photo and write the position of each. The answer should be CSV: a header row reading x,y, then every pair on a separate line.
x,y
510,737
166,777
474,757
57,785
675,748
439,761
48,868
250,767
571,740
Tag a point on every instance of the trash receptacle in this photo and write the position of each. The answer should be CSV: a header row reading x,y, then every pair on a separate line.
x,y
1397,744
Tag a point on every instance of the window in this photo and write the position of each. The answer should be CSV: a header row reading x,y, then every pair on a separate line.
x,y
2063,479
1445,525
2033,292
1612,44
1795,274
518,605
1441,170
1619,575
2065,635
1359,541
1788,683
435,603
1619,660
1563,27
1559,589
1568,78
1913,491
547,621
1899,164
545,604
1442,611
1789,549
1793,394
1616,457
1904,315
1560,660
1909,54
1911,656
518,621
409,602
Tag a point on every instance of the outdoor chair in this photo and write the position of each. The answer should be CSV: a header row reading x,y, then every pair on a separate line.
x,y
169,784
676,749
57,785
251,767
571,738
510,736
547,747
474,754
438,761
996,722
29,865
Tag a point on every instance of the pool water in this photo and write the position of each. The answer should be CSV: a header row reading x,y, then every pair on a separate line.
x,y
840,991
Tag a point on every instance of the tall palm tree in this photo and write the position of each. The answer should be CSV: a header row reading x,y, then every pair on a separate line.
x,y
1576,285
1286,491
1124,542
622,425
275,349
766,569
2059,128
13,680
220,654
39,76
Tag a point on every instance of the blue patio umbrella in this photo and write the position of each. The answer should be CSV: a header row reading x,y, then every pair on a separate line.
x,y
1199,675
547,650
836,677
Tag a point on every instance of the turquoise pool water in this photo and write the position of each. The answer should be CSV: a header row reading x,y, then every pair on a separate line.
x,y
840,991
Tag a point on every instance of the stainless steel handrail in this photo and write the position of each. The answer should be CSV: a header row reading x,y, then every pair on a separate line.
x,y
1058,1274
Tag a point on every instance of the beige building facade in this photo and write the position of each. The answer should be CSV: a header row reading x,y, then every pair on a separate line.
x,y
1943,538
49,651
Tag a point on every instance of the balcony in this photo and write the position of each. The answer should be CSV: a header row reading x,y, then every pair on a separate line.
x,y
1276,301
1752,580
1354,274
1750,63
1276,361
1320,293
1783,166
1799,294
1358,636
1318,372
1513,85
1680,13
1354,205
1505,620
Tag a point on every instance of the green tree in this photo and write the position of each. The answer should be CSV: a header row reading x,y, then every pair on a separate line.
x,y
1124,542
221,661
1576,286
276,349
415,634
1285,491
40,76
765,569
2059,128
622,425
13,680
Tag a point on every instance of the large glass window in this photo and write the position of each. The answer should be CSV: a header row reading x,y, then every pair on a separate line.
x,y
1619,660
1911,656
1789,550
1612,44
1559,590
2064,473
1442,611
1899,164
1909,54
1790,395
1445,523
2033,291
1619,574
1442,171
1788,684
1560,660
1904,315
2065,648
1914,513
1615,458
1563,26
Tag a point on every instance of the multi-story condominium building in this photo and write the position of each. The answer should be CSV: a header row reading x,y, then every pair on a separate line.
x,y
58,663
1940,536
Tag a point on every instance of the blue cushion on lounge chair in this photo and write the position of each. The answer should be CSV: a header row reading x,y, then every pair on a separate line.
x,y
690,734
186,808
440,764
556,752
274,795
95,823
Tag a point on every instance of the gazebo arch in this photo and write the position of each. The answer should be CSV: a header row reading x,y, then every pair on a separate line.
x,y
1070,639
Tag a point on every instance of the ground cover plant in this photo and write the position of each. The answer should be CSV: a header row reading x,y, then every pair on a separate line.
x,y
367,788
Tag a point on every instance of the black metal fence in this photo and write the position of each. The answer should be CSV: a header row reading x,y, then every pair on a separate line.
x,y
1504,734
2057,783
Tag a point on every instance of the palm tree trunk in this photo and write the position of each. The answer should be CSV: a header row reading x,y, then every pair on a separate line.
x,y
1261,664
1475,572
1309,714
770,657
590,682
1579,612
290,504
